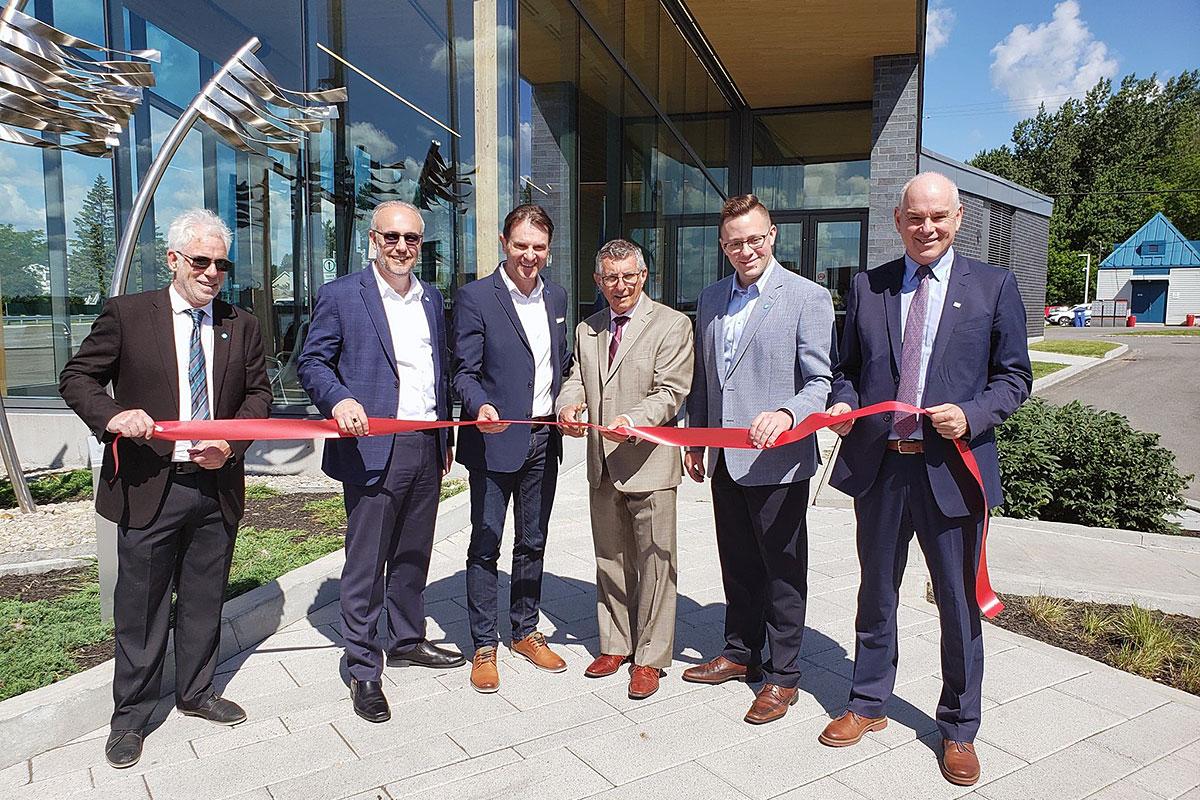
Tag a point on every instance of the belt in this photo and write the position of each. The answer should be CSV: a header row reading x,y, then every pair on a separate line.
x,y
543,419
185,467
907,447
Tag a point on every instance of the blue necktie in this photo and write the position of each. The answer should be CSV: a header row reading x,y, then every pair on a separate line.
x,y
197,375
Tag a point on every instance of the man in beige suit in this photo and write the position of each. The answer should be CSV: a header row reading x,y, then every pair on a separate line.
x,y
633,367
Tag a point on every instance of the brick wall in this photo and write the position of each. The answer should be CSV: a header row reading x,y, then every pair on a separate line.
x,y
894,149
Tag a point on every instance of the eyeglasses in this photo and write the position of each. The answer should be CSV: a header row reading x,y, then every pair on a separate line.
x,y
628,278
202,263
735,247
392,238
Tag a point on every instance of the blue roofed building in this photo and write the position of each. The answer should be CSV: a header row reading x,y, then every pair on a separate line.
x,y
1157,270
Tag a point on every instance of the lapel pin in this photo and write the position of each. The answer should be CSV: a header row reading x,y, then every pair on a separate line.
x,y
957,304
224,335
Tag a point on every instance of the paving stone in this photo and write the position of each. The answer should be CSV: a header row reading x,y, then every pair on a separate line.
x,y
1113,689
451,773
497,733
156,756
1036,725
573,735
248,682
283,645
1168,777
557,774
404,759
1075,772
60,785
824,789
314,666
132,789
15,775
239,736
1146,738
649,710
912,771
280,704
685,782
616,693
430,717
1124,789
630,753
1023,670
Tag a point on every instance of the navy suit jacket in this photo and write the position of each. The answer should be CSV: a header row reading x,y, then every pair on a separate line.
x,y
493,363
348,353
980,362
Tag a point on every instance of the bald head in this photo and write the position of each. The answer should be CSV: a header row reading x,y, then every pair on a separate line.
x,y
928,216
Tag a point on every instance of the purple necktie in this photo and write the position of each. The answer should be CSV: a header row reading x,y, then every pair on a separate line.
x,y
615,341
910,353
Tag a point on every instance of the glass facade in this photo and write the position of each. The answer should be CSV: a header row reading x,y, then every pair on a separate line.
x,y
599,110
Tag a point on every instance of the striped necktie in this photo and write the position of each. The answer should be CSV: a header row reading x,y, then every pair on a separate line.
x,y
197,374
910,353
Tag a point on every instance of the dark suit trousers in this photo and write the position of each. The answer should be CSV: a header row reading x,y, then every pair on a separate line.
x,y
188,547
389,537
531,488
899,503
762,542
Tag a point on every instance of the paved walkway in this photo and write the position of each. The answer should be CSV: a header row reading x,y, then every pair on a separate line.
x,y
1055,725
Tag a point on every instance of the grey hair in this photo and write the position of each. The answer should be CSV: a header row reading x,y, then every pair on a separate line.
x,y
390,204
619,250
954,198
194,223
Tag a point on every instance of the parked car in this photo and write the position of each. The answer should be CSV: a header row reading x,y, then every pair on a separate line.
x,y
1065,315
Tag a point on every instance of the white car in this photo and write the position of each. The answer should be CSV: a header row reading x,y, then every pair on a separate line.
x,y
1065,316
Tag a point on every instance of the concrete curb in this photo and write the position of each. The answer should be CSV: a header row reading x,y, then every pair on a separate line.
x,y
31,561
1074,369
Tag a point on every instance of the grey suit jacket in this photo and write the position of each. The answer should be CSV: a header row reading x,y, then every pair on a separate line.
x,y
782,362
647,383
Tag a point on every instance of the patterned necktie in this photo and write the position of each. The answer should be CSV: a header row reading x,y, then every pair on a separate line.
x,y
615,341
910,353
197,375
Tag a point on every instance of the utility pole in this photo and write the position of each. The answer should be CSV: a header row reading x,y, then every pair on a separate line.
x,y
1087,275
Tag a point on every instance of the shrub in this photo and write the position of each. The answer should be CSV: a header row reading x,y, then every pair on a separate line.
x,y
1073,463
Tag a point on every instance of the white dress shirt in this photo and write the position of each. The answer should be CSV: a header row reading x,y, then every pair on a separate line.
x,y
531,310
181,322
737,313
938,281
413,345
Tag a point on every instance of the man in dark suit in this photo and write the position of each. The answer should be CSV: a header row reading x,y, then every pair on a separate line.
x,y
170,354
376,347
946,333
510,358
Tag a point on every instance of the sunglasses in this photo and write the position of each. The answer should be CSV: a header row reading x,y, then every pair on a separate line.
x,y
392,237
204,262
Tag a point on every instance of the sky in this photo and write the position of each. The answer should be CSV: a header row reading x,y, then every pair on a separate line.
x,y
988,64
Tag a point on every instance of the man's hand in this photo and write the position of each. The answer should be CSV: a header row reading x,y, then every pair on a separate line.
x,y
449,460
351,417
211,453
569,417
487,413
132,424
611,433
767,426
948,420
836,410
693,464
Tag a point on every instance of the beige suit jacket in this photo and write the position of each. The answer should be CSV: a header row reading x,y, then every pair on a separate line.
x,y
648,383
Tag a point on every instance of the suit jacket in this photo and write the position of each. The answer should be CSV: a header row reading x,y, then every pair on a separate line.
x,y
980,362
349,353
782,362
648,383
493,363
132,346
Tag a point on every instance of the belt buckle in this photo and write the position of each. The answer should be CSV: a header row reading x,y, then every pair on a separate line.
x,y
909,447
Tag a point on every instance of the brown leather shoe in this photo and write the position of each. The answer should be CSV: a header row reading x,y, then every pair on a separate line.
x,y
484,676
533,648
605,665
849,729
719,670
771,704
959,763
643,681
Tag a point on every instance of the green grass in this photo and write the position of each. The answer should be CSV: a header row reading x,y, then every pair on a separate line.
x,y
451,487
261,556
1075,347
329,511
1050,611
1159,332
260,491
59,487
1043,368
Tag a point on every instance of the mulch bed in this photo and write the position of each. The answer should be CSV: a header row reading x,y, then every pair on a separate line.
x,y
284,511
44,585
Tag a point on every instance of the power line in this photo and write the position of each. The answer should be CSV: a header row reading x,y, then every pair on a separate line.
x,y
1130,191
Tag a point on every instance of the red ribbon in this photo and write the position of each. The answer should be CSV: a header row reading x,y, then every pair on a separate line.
x,y
739,438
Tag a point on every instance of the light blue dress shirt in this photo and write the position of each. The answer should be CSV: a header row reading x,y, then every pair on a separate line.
x,y
938,282
737,313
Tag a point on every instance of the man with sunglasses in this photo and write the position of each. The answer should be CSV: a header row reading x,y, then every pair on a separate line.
x,y
174,353
376,347
763,351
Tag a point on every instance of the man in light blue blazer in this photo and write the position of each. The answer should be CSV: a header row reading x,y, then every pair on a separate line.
x,y
763,348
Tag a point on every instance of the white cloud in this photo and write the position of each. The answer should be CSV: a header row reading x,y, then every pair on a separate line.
x,y
1052,62
938,24
377,143
19,212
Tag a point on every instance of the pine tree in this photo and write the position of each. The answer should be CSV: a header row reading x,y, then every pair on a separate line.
x,y
93,251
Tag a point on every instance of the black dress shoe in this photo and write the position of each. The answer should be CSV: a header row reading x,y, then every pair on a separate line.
x,y
217,709
369,702
123,749
426,654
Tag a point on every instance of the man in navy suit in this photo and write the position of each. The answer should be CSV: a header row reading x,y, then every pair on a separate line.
x,y
510,358
946,333
376,347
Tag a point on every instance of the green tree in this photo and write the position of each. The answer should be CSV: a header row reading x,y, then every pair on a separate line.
x,y
93,251
20,254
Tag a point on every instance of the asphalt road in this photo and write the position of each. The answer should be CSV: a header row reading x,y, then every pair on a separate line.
x,y
1156,384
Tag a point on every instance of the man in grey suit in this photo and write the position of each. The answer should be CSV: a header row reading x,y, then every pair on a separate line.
x,y
763,342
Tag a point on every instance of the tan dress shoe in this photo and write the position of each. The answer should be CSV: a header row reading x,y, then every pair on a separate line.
x,y
771,704
849,729
484,677
719,670
533,648
643,681
605,665
959,763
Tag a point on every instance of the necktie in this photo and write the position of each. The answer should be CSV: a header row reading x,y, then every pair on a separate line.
x,y
910,353
197,374
615,341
